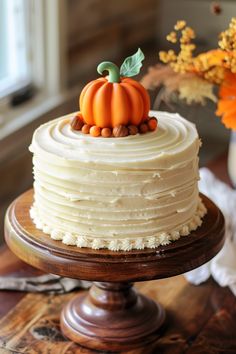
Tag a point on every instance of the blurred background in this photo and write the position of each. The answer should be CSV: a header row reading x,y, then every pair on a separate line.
x,y
50,49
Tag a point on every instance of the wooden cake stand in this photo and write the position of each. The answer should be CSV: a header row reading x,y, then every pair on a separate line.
x,y
112,316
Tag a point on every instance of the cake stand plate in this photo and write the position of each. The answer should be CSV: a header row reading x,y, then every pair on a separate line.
x,y
112,316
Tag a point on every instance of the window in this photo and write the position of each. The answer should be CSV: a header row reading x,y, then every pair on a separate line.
x,y
15,70
32,51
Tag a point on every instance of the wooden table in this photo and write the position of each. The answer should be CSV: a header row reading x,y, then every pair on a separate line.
x,y
201,319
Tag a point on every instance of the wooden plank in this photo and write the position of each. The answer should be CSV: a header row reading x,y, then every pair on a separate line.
x,y
219,333
33,325
34,322
12,266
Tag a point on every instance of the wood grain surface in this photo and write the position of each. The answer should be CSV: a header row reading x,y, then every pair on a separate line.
x,y
201,319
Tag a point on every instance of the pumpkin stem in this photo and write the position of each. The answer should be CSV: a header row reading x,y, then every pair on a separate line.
x,y
113,70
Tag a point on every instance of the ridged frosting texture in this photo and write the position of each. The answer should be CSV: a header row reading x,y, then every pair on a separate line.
x,y
117,193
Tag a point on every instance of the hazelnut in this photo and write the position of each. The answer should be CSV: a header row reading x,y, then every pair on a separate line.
x,y
95,131
152,124
77,122
106,132
133,129
143,128
120,131
85,129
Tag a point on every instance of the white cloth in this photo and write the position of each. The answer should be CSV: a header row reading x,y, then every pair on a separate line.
x,y
50,283
223,266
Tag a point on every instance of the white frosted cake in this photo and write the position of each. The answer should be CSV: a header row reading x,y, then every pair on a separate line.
x,y
118,193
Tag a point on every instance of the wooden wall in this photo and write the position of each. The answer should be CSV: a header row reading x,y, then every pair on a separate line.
x,y
106,30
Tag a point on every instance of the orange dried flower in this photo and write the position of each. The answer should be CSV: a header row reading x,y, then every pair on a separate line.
x,y
227,103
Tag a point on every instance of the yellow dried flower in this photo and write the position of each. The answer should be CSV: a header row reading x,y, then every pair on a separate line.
x,y
163,57
195,76
167,57
171,55
171,37
180,25
182,61
228,37
210,65
187,35
215,74
178,67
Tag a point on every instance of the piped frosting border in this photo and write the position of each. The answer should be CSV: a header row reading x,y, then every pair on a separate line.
x,y
163,238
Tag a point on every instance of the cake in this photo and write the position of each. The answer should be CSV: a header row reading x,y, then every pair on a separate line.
x,y
119,193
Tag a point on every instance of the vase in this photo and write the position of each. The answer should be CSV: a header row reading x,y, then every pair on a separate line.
x,y
232,158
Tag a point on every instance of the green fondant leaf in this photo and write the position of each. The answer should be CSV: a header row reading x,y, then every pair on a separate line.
x,y
132,65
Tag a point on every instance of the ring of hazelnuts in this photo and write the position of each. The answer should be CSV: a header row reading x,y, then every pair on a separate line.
x,y
118,131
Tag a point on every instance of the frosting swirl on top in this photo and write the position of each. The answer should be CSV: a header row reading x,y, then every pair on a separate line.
x,y
174,142
118,193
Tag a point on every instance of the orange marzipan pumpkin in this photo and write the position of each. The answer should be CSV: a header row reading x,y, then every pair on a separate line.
x,y
108,104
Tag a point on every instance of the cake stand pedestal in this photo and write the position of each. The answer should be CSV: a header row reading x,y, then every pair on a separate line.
x,y
112,316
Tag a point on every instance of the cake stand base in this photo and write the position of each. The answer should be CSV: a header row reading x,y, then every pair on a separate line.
x,y
120,318
112,316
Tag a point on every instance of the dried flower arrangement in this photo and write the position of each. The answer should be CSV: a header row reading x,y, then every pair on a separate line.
x,y
193,78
